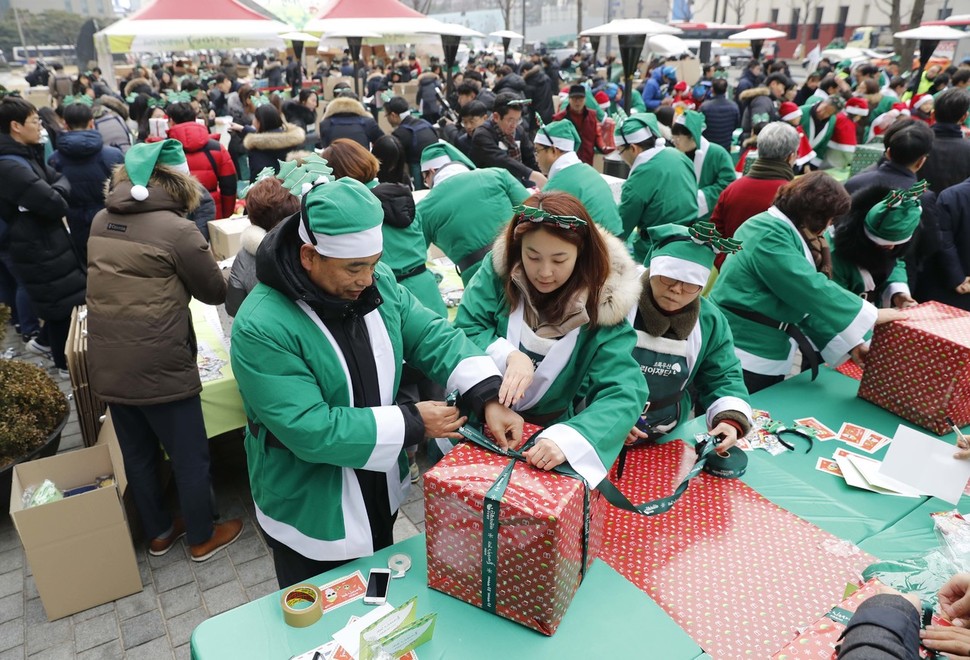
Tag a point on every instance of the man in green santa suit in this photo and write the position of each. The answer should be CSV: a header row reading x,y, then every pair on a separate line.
x,y
556,145
818,123
317,353
683,338
867,246
713,166
466,207
661,187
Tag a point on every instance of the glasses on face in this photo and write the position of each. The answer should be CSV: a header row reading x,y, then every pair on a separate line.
x,y
670,283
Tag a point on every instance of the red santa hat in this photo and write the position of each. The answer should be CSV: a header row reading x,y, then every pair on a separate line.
x,y
843,135
920,99
602,99
857,106
805,152
681,86
901,108
789,111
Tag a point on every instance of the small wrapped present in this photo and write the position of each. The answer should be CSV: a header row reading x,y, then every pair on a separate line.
x,y
919,368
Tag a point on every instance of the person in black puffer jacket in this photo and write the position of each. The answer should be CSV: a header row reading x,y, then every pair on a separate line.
x,y
346,118
303,113
33,201
540,89
269,140
427,96
87,163
508,81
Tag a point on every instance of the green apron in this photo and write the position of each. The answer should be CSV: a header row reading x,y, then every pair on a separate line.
x,y
663,363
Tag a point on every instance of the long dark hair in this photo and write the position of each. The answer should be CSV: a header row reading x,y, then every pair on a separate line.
x,y
592,261
390,153
852,244
268,117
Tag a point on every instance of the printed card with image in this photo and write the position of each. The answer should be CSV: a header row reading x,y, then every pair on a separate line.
x,y
829,466
852,433
872,442
343,590
822,431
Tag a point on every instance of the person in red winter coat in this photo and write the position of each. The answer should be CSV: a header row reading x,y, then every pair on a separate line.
x,y
208,160
755,192
586,124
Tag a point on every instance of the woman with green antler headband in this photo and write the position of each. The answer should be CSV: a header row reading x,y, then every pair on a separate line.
x,y
683,338
549,305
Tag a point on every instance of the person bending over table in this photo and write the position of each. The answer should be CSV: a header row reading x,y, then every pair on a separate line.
x,y
683,338
868,244
887,626
549,305
776,294
317,349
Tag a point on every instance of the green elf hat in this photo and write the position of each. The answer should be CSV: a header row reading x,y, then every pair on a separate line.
x,y
141,160
694,122
560,134
342,219
893,221
636,128
687,253
440,153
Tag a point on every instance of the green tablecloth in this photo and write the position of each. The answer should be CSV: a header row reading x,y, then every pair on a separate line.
x,y
609,618
222,407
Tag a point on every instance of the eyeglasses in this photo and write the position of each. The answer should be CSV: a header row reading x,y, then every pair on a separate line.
x,y
670,283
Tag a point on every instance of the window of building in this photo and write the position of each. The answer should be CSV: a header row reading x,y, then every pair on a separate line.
x,y
817,23
793,28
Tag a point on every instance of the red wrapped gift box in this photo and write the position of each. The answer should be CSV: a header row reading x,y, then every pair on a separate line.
x,y
919,368
540,535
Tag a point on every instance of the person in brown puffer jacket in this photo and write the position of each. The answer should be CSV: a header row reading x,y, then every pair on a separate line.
x,y
145,262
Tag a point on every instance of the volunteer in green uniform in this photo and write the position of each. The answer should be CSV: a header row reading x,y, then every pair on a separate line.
x,y
713,166
661,187
775,298
818,123
317,349
550,305
683,338
404,248
466,207
556,145
868,245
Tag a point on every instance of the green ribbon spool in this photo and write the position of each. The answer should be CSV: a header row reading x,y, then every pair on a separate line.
x,y
708,460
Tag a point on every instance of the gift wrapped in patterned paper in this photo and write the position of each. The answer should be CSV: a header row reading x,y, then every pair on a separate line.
x,y
535,551
919,368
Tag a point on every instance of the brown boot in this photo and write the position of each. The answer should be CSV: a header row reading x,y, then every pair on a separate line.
x,y
159,547
222,535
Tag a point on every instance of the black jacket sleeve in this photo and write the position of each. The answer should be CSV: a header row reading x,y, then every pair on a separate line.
x,y
486,153
45,198
885,627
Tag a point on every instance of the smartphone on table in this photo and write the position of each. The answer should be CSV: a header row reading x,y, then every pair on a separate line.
x,y
377,582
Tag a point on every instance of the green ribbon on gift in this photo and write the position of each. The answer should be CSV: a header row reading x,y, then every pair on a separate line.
x,y
731,466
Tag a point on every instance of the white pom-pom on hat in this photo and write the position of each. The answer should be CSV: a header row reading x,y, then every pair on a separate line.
x,y
140,193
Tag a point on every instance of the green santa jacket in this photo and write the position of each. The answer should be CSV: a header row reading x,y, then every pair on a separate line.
x,y
818,139
713,165
463,213
859,281
660,188
580,180
636,105
596,361
715,370
294,383
775,275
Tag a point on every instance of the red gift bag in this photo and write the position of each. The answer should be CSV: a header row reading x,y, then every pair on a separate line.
x,y
919,368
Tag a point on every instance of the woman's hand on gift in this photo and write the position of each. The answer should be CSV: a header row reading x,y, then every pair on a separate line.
x,y
964,286
954,598
440,419
887,314
635,435
903,300
951,640
728,435
518,376
505,424
859,353
545,454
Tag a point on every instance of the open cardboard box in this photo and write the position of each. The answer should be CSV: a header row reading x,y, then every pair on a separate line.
x,y
225,236
79,548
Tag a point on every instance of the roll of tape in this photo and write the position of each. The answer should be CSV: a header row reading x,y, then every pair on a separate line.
x,y
399,563
731,466
301,605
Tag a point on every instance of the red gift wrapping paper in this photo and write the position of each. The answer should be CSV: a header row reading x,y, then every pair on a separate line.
x,y
540,535
850,369
919,368
739,574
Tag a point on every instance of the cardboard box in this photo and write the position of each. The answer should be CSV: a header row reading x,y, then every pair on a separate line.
x,y
225,236
79,548
919,368
539,555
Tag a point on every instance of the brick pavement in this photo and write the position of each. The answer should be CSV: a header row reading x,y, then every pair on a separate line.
x,y
178,594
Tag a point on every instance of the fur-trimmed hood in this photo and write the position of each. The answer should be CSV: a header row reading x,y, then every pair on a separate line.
x,y
621,291
134,83
168,190
343,105
289,138
112,103
749,94
251,237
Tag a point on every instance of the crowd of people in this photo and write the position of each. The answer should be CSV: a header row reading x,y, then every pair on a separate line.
x,y
607,323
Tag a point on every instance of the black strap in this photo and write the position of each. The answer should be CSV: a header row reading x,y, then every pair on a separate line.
x,y
411,273
473,258
790,329
207,150
270,439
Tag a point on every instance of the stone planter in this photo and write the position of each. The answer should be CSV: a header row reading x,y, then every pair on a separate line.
x,y
49,448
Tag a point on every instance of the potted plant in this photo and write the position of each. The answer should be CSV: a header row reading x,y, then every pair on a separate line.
x,y
33,412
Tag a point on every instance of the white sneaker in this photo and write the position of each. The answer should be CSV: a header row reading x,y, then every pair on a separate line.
x,y
64,374
37,348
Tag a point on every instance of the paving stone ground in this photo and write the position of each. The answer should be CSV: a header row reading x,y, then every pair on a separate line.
x,y
177,594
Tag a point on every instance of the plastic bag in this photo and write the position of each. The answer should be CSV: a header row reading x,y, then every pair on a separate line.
x,y
923,576
953,532
44,493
